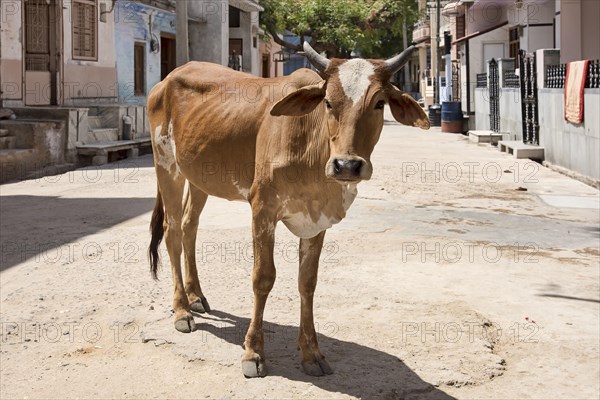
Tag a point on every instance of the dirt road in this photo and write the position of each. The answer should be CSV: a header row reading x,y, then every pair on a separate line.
x,y
447,280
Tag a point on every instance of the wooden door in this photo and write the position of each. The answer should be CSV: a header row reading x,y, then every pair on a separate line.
x,y
42,51
167,54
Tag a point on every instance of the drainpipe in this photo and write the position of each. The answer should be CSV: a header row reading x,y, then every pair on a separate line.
x,y
1,92
436,97
468,77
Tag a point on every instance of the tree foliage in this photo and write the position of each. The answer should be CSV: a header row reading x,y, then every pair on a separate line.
x,y
372,28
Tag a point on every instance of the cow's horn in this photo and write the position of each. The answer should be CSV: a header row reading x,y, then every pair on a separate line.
x,y
397,62
318,61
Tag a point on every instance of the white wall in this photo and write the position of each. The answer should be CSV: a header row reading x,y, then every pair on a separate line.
x,y
538,21
10,30
256,59
575,147
11,50
484,15
106,38
482,109
510,113
209,30
537,37
478,63
89,79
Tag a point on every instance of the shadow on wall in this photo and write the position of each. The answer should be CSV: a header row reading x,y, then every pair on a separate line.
x,y
359,371
36,226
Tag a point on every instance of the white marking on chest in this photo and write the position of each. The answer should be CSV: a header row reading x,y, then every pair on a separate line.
x,y
166,143
303,226
354,76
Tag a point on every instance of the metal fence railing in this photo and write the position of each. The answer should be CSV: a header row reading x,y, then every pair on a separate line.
x,y
510,79
482,80
556,75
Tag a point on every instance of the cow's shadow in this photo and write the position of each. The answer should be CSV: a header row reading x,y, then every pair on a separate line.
x,y
360,371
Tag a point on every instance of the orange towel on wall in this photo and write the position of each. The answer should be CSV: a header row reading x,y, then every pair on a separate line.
x,y
574,89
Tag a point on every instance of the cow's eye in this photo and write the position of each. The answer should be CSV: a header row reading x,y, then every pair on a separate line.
x,y
380,104
327,104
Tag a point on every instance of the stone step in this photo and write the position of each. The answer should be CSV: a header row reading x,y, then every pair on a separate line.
x,y
4,132
521,150
103,135
485,137
95,122
100,153
8,142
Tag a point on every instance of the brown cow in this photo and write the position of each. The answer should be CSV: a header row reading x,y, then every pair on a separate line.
x,y
239,137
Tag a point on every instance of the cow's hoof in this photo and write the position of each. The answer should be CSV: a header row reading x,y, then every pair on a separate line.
x,y
185,324
200,306
254,368
317,367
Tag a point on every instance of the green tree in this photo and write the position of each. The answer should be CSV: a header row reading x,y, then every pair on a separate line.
x,y
372,28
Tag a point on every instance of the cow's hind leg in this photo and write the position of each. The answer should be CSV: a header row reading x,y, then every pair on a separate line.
x,y
194,203
171,189
263,278
313,361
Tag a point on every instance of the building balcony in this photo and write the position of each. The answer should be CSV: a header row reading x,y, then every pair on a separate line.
x,y
421,32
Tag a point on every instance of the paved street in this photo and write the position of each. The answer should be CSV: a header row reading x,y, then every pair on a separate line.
x,y
459,272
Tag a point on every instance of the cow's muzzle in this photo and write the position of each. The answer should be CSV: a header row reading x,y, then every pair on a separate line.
x,y
348,169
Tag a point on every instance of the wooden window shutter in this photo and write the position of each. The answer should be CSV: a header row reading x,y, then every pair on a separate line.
x,y
85,29
139,66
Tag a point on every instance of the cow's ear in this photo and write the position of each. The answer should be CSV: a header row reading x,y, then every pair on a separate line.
x,y
406,110
301,101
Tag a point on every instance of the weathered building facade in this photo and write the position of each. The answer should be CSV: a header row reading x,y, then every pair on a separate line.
x,y
56,52
88,65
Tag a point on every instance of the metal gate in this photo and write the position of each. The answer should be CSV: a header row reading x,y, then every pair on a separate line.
x,y
494,91
529,98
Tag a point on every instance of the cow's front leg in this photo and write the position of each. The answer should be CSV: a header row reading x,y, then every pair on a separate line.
x,y
263,278
194,204
313,361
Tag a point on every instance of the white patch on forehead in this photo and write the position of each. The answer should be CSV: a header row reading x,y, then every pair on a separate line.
x,y
354,76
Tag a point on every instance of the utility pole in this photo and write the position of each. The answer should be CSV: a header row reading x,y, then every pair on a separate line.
x,y
436,87
407,85
182,42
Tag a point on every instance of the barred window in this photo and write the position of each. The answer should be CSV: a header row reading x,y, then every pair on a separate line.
x,y
85,29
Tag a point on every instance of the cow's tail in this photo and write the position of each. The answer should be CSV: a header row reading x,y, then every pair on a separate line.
x,y
157,229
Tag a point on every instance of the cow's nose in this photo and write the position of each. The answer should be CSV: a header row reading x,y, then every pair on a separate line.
x,y
347,169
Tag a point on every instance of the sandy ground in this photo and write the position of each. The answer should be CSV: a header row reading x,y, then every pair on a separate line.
x,y
446,280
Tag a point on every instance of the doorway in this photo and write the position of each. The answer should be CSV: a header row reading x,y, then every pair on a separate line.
x,y
235,54
168,60
266,66
42,52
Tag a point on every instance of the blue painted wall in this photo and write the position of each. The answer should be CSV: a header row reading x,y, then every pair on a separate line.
x,y
131,26
296,61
